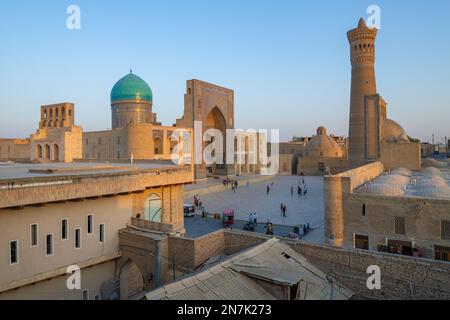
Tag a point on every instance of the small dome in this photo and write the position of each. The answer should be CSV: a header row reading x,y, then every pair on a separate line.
x,y
402,171
322,145
440,192
432,171
131,87
383,189
430,162
392,132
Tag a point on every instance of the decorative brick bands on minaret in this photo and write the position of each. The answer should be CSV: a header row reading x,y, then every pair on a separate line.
x,y
362,53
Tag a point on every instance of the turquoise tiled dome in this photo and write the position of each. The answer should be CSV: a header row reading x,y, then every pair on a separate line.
x,y
131,87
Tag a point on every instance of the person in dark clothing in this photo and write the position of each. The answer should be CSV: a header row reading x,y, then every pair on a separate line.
x,y
268,190
292,191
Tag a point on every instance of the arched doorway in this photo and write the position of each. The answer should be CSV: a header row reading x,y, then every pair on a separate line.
x,y
153,208
216,120
47,152
38,151
56,152
158,145
131,280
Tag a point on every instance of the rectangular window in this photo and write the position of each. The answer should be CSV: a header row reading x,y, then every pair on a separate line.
x,y
49,244
445,230
400,225
34,235
90,221
102,232
85,294
321,167
442,253
64,229
14,252
77,238
361,242
97,297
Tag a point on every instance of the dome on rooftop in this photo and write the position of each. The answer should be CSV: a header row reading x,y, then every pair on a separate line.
x,y
392,132
131,87
323,145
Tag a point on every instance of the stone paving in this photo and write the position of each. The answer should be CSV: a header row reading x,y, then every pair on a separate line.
x,y
254,198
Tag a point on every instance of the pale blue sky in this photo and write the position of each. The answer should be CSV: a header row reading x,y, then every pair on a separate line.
x,y
288,61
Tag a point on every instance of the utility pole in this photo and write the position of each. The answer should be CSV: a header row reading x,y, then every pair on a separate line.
x,y
446,147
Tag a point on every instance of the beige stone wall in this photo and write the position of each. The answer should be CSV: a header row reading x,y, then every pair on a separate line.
x,y
286,164
407,155
111,144
61,115
422,217
335,189
114,212
54,289
172,204
310,165
57,144
191,253
14,150
138,141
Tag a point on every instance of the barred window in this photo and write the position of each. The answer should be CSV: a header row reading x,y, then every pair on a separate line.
x,y
445,230
400,225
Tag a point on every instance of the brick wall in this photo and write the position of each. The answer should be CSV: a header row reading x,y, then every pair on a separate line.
x,y
401,277
191,253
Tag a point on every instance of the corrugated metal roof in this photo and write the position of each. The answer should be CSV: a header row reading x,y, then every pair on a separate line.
x,y
234,279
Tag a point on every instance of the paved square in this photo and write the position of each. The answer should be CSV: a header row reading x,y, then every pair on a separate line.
x,y
254,198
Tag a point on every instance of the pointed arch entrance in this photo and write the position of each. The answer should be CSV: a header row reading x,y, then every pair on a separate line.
x,y
216,120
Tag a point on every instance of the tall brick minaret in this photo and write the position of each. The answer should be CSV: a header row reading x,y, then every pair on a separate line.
x,y
362,52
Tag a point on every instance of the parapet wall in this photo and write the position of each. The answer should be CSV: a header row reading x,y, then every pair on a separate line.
x,y
191,253
29,191
401,277
335,188
406,155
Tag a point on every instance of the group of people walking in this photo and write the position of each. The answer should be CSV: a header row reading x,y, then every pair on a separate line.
x,y
302,188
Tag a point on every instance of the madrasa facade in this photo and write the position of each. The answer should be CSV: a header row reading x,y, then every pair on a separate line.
x,y
136,134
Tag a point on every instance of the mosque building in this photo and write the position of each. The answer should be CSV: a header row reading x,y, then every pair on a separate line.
x,y
137,135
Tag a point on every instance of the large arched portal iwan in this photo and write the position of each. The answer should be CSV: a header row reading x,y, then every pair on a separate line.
x,y
216,120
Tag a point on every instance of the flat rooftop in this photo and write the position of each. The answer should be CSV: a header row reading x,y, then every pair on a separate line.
x,y
12,171
32,184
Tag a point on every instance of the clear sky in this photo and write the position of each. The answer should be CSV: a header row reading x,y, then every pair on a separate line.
x,y
288,61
